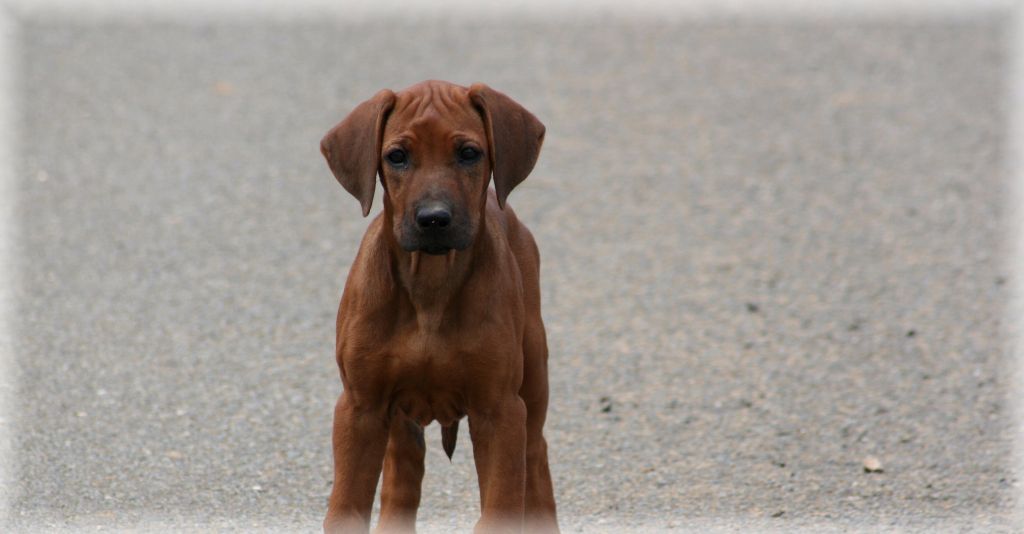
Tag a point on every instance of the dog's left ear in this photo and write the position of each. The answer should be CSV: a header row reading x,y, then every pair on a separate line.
x,y
514,137
352,147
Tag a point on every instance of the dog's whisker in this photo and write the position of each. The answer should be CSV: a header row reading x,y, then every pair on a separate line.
x,y
415,262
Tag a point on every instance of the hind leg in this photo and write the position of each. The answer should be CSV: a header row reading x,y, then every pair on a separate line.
x,y
540,498
403,476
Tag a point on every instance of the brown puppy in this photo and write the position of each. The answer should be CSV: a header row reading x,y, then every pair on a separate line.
x,y
440,317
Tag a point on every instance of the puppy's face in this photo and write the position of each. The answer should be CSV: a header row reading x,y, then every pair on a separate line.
x,y
435,168
435,146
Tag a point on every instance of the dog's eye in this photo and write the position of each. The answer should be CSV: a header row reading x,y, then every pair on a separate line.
x,y
468,154
397,157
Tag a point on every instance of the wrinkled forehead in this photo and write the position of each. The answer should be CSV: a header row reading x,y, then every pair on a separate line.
x,y
426,112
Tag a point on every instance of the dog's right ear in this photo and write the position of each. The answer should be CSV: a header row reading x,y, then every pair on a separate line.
x,y
352,147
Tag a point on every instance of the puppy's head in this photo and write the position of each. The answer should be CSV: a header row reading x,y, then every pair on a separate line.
x,y
435,146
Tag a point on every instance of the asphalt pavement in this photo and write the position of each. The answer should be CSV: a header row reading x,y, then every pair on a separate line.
x,y
771,249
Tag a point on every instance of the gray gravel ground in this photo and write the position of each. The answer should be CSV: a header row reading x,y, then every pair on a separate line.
x,y
771,249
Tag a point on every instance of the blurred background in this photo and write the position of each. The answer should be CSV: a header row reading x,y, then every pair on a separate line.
x,y
774,254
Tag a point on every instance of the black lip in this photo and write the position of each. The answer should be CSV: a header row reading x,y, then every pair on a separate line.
x,y
435,243
435,250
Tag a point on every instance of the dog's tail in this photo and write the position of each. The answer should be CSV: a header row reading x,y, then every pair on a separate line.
x,y
448,436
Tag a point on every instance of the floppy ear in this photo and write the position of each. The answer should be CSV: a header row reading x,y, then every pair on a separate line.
x,y
352,147
514,137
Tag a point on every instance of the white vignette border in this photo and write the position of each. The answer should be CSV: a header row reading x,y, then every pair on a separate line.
x,y
12,11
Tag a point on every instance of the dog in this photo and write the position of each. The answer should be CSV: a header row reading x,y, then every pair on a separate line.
x,y
440,317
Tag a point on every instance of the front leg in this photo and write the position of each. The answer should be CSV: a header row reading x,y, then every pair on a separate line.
x,y
403,476
360,439
499,450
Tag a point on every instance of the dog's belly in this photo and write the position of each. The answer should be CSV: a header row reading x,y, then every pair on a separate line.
x,y
424,407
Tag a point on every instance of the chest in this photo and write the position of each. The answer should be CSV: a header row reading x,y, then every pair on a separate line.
x,y
428,373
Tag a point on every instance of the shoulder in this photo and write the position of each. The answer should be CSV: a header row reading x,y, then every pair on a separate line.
x,y
515,235
370,278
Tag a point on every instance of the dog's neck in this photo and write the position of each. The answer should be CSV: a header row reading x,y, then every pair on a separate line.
x,y
431,282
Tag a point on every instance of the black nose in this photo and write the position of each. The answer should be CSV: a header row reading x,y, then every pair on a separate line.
x,y
433,215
